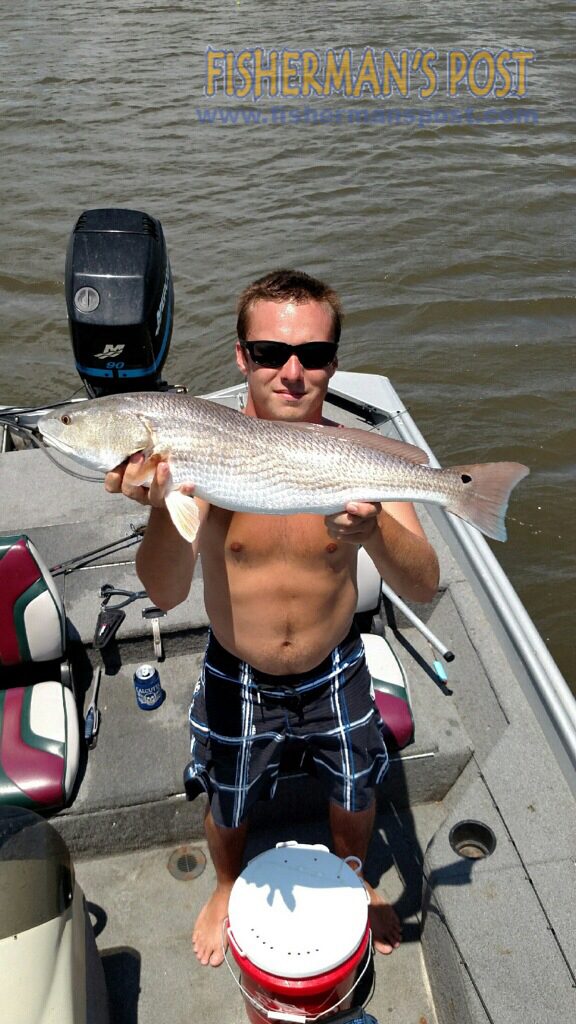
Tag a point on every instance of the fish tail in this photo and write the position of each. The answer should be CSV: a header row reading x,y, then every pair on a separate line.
x,y
484,495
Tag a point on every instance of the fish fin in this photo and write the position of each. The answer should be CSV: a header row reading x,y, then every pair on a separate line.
x,y
152,424
184,513
486,490
368,439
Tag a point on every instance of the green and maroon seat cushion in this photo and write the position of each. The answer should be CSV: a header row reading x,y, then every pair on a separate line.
x,y
39,745
39,730
32,622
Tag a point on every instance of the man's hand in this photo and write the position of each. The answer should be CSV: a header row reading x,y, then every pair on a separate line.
x,y
122,480
356,524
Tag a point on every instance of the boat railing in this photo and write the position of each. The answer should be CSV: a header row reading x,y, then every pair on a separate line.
x,y
542,682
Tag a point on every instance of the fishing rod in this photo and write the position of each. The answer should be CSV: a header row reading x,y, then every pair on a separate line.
x,y
114,546
392,596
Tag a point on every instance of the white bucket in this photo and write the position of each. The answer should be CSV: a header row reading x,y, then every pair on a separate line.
x,y
298,929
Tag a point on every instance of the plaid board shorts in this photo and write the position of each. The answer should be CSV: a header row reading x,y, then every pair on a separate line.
x,y
241,721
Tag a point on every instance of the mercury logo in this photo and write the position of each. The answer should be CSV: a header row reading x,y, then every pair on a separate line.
x,y
110,352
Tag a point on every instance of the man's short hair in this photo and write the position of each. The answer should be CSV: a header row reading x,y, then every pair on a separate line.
x,y
288,286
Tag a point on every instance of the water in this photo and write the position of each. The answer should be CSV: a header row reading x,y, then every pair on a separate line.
x,y
451,244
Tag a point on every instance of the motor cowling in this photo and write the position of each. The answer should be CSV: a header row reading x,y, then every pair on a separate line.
x,y
120,300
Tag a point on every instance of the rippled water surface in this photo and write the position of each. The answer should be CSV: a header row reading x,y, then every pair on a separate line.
x,y
452,244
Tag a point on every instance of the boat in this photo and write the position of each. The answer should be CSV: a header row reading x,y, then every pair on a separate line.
x,y
476,828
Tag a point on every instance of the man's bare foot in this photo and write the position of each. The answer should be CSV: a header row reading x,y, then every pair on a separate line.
x,y
384,922
208,934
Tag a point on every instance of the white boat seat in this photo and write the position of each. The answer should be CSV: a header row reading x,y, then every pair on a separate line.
x,y
39,726
369,593
390,691
388,677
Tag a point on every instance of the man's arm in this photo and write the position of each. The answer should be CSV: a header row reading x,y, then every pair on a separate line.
x,y
165,561
393,537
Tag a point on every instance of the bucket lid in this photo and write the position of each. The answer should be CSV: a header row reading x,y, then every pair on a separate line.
x,y
297,911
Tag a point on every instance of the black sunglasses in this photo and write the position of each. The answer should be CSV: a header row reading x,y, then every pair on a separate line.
x,y
314,355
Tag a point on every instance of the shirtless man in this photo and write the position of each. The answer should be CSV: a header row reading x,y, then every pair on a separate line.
x,y
280,592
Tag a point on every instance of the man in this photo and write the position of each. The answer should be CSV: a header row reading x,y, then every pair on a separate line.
x,y
280,592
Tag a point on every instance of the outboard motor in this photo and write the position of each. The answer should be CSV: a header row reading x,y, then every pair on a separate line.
x,y
120,300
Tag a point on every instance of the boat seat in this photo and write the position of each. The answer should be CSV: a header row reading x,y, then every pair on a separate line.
x,y
390,691
368,578
388,677
39,725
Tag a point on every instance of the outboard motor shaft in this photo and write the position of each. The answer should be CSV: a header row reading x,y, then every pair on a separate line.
x,y
120,300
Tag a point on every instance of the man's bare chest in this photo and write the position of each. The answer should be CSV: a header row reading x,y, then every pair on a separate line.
x,y
253,540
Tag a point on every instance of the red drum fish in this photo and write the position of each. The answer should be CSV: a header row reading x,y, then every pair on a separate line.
x,y
246,464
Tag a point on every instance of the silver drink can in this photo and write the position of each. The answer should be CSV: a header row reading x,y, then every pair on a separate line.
x,y
149,693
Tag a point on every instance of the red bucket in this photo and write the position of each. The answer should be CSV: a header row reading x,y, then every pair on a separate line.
x,y
269,997
298,930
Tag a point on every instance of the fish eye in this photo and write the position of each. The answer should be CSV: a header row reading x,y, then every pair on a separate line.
x,y
66,419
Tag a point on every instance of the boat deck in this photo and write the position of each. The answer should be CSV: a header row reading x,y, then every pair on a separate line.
x,y
490,940
151,971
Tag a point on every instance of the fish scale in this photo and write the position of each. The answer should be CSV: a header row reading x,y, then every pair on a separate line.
x,y
246,464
